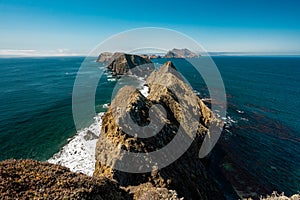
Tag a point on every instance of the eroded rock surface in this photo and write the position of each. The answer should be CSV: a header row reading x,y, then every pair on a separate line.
x,y
170,108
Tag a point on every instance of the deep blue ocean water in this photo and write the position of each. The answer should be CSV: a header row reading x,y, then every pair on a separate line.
x,y
259,150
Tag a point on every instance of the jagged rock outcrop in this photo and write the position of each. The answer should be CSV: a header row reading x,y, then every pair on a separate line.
x,y
122,63
181,53
29,179
131,112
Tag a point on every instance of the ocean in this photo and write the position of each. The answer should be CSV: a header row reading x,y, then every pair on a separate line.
x,y
258,152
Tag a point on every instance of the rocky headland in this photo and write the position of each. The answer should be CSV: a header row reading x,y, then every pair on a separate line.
x,y
129,64
187,175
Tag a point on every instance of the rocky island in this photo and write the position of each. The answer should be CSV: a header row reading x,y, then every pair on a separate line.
x,y
110,57
181,53
122,63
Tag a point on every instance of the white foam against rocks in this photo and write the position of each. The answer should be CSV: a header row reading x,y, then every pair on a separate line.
x,y
145,90
79,153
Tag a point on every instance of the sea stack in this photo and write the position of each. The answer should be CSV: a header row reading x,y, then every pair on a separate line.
x,y
187,175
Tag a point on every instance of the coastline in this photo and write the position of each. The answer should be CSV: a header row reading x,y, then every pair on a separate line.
x,y
242,114
79,153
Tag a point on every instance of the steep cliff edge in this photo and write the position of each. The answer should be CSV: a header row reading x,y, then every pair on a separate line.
x,y
132,112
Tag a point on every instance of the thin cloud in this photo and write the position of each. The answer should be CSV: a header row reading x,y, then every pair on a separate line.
x,y
36,53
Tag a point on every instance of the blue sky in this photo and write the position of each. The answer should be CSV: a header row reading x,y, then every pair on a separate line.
x,y
76,27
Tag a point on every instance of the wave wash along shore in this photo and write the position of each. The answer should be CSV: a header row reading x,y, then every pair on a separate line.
x,y
79,153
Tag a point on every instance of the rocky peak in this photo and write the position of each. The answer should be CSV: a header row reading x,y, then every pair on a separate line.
x,y
139,124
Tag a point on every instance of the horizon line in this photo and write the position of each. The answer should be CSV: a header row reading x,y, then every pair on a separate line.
x,y
13,53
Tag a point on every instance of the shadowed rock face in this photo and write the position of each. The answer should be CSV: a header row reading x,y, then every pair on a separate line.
x,y
181,53
29,179
122,63
132,117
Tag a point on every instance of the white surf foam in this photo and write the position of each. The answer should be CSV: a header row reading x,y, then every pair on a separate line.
x,y
145,90
79,153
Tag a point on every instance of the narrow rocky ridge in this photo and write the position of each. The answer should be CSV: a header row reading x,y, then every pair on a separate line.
x,y
130,112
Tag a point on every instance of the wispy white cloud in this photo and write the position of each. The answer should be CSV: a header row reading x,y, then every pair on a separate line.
x,y
37,53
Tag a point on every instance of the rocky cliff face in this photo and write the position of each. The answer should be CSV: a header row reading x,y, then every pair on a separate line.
x,y
181,53
122,63
130,111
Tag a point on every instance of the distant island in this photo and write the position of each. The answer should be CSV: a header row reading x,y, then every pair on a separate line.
x,y
181,53
122,63
140,65
174,53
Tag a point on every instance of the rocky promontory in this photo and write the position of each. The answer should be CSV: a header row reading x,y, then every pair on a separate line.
x,y
130,111
123,63
181,53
